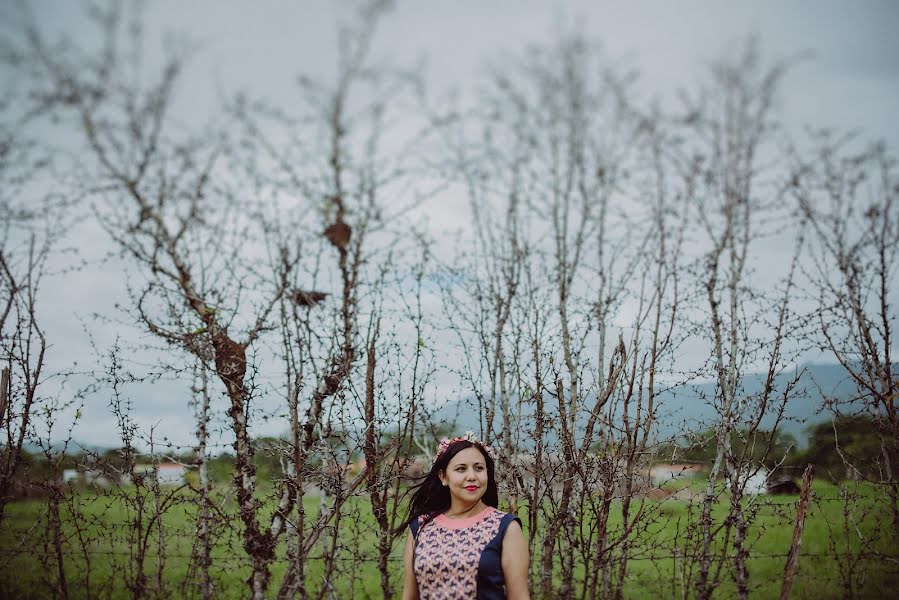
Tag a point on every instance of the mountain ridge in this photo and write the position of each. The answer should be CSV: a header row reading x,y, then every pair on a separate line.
x,y
686,408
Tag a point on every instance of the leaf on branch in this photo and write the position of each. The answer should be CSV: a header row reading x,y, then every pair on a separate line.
x,y
308,298
338,234
230,360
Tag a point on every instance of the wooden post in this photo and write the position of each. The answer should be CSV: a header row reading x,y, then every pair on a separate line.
x,y
793,556
4,387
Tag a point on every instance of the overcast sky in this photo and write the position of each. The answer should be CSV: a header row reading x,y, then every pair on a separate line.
x,y
850,82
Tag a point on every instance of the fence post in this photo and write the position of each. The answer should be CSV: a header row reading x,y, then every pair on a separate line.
x,y
793,556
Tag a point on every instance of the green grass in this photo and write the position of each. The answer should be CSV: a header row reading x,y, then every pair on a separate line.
x,y
26,572
104,523
769,539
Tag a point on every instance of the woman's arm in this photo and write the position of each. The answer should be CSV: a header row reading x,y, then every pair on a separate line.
x,y
410,586
515,563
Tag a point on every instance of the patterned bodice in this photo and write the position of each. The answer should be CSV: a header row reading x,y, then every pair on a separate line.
x,y
461,558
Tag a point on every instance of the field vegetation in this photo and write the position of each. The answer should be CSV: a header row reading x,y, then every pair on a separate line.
x,y
842,522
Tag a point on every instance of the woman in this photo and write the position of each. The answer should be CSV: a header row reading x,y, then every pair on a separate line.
x,y
459,545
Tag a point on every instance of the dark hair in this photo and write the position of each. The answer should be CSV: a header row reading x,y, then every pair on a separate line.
x,y
432,498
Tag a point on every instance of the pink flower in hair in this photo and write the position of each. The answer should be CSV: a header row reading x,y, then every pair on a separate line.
x,y
469,436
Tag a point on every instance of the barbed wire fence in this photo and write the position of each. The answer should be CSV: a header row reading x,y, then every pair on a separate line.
x,y
110,541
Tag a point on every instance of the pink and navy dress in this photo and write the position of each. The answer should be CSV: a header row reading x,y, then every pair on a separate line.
x,y
461,558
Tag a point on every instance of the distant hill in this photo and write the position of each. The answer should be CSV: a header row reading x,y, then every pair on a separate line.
x,y
687,407
73,447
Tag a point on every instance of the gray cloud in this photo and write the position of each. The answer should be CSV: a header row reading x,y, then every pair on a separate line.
x,y
852,82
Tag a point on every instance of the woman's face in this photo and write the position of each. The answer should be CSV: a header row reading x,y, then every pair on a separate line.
x,y
466,475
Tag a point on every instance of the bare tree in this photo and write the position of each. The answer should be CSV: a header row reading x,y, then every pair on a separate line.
x,y
31,223
24,346
341,163
202,549
851,201
730,130
556,257
197,240
170,211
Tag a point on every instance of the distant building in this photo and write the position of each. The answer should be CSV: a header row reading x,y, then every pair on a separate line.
x,y
98,478
757,483
172,474
662,473
167,473
783,486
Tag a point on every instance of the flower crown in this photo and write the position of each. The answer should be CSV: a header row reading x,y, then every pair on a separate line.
x,y
469,436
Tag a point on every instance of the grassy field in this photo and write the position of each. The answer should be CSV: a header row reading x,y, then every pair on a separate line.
x,y
832,553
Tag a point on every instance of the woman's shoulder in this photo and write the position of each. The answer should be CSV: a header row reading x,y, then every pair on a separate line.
x,y
503,519
506,519
414,525
503,515
416,522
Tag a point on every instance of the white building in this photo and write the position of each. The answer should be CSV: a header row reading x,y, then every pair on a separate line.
x,y
756,481
167,473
